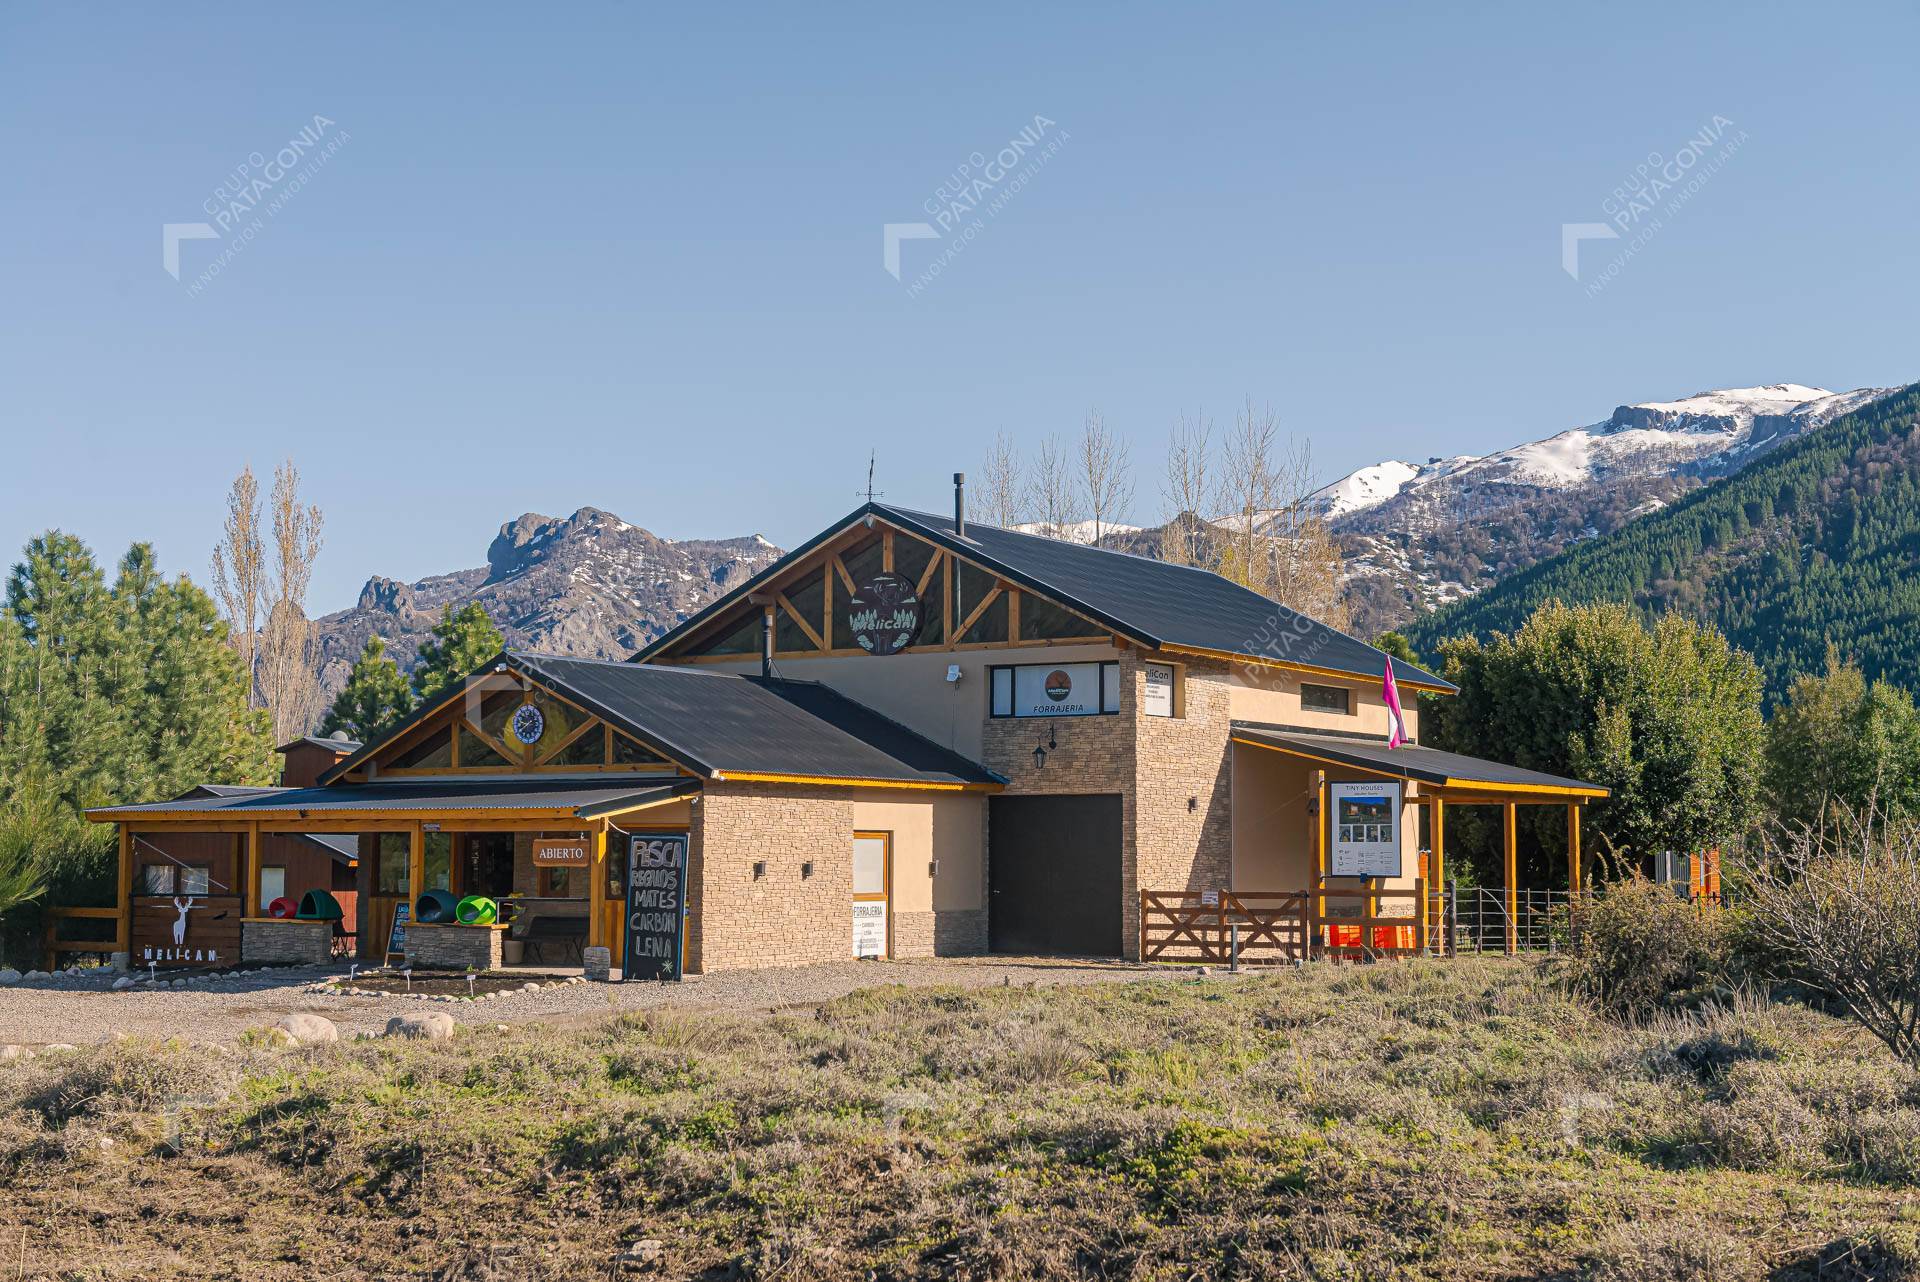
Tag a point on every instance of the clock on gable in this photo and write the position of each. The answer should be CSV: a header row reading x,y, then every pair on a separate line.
x,y
528,724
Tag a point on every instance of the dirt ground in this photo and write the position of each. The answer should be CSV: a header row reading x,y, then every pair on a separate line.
x,y
38,1013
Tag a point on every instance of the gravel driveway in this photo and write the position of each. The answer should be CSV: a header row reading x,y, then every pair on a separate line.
x,y
78,1011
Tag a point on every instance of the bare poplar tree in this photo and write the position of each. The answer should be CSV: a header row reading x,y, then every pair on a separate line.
x,y
1279,544
1187,493
1249,491
1002,489
1106,473
1051,494
289,678
239,574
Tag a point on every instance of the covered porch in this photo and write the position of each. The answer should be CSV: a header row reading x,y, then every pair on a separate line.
x,y
546,853
1293,809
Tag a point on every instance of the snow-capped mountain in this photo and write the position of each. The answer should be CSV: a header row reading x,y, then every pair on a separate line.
x,y
1078,531
1422,534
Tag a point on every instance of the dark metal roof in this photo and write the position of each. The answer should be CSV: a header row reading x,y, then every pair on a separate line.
x,y
717,723
586,799
319,741
1409,761
342,848
1149,601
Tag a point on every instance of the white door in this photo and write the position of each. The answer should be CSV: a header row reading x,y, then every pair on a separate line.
x,y
872,878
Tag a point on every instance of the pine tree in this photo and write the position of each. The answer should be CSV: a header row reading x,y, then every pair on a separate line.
x,y
376,696
460,643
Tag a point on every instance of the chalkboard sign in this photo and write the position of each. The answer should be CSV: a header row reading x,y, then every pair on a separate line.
x,y
397,936
656,906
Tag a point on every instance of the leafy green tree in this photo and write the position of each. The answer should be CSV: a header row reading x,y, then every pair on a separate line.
x,y
107,695
1667,717
1840,742
1397,645
375,698
461,642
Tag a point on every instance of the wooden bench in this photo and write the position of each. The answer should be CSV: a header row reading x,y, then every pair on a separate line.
x,y
548,928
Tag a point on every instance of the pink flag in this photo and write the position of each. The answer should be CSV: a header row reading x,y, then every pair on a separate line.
x,y
1391,693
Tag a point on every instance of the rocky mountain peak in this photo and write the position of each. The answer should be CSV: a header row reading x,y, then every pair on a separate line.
x,y
590,585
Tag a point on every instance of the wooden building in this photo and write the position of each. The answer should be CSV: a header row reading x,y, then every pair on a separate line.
x,y
910,736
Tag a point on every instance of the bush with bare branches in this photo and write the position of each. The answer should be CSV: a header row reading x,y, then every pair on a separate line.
x,y
1840,904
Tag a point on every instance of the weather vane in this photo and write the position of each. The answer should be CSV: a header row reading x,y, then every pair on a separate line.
x,y
872,493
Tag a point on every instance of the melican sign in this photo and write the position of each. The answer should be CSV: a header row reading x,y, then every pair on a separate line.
x,y
884,614
656,906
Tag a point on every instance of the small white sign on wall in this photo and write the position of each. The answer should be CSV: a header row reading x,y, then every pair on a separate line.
x,y
1158,700
869,928
1364,840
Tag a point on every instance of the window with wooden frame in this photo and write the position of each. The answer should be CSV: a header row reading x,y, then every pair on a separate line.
x,y
562,883
1319,698
156,879
390,864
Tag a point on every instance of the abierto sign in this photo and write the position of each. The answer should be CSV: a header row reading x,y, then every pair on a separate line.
x,y
561,852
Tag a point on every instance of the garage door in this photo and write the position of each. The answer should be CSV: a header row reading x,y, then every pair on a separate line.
x,y
1053,864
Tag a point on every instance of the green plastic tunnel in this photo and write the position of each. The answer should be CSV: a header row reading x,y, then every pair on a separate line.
x,y
435,907
476,910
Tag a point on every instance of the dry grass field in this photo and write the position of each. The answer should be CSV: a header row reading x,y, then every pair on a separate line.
x,y
1432,1120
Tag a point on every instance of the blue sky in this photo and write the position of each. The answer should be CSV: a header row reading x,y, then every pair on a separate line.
x,y
630,256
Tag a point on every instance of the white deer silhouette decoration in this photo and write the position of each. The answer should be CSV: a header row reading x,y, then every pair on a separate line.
x,y
183,907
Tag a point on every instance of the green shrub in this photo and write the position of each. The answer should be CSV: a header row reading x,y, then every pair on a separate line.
x,y
1642,949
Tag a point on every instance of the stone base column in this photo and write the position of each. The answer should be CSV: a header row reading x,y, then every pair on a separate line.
x,y
598,963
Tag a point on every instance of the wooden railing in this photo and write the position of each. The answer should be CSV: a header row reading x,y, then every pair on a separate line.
x,y
1266,927
53,943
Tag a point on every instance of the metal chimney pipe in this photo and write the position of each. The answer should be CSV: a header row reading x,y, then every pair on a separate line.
x,y
960,505
766,642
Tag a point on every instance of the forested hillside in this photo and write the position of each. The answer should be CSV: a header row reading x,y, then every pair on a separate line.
x,y
1818,542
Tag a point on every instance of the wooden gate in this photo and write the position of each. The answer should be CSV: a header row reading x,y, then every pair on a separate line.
x,y
1283,926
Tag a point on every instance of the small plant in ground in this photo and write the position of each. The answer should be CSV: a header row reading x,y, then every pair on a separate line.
x,y
1841,905
1643,949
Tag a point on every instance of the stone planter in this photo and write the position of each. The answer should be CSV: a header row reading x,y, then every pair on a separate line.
x,y
272,941
454,947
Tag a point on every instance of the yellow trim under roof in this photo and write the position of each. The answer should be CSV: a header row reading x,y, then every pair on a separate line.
x,y
1264,662
921,785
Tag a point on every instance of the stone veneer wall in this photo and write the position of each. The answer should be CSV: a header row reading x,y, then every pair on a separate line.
x,y
436,947
1155,763
783,918
287,942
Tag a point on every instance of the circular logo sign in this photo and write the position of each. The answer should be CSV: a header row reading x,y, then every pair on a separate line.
x,y
884,614
1059,685
528,724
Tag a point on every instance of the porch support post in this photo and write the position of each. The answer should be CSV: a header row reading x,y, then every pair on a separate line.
x,y
1573,848
1320,821
251,908
1438,867
123,926
597,888
1511,833
416,862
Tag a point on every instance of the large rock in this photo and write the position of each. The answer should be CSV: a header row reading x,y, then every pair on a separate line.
x,y
308,1027
10,1053
9,976
435,1026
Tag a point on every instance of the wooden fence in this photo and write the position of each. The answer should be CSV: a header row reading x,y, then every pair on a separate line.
x,y
55,942
1267,927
